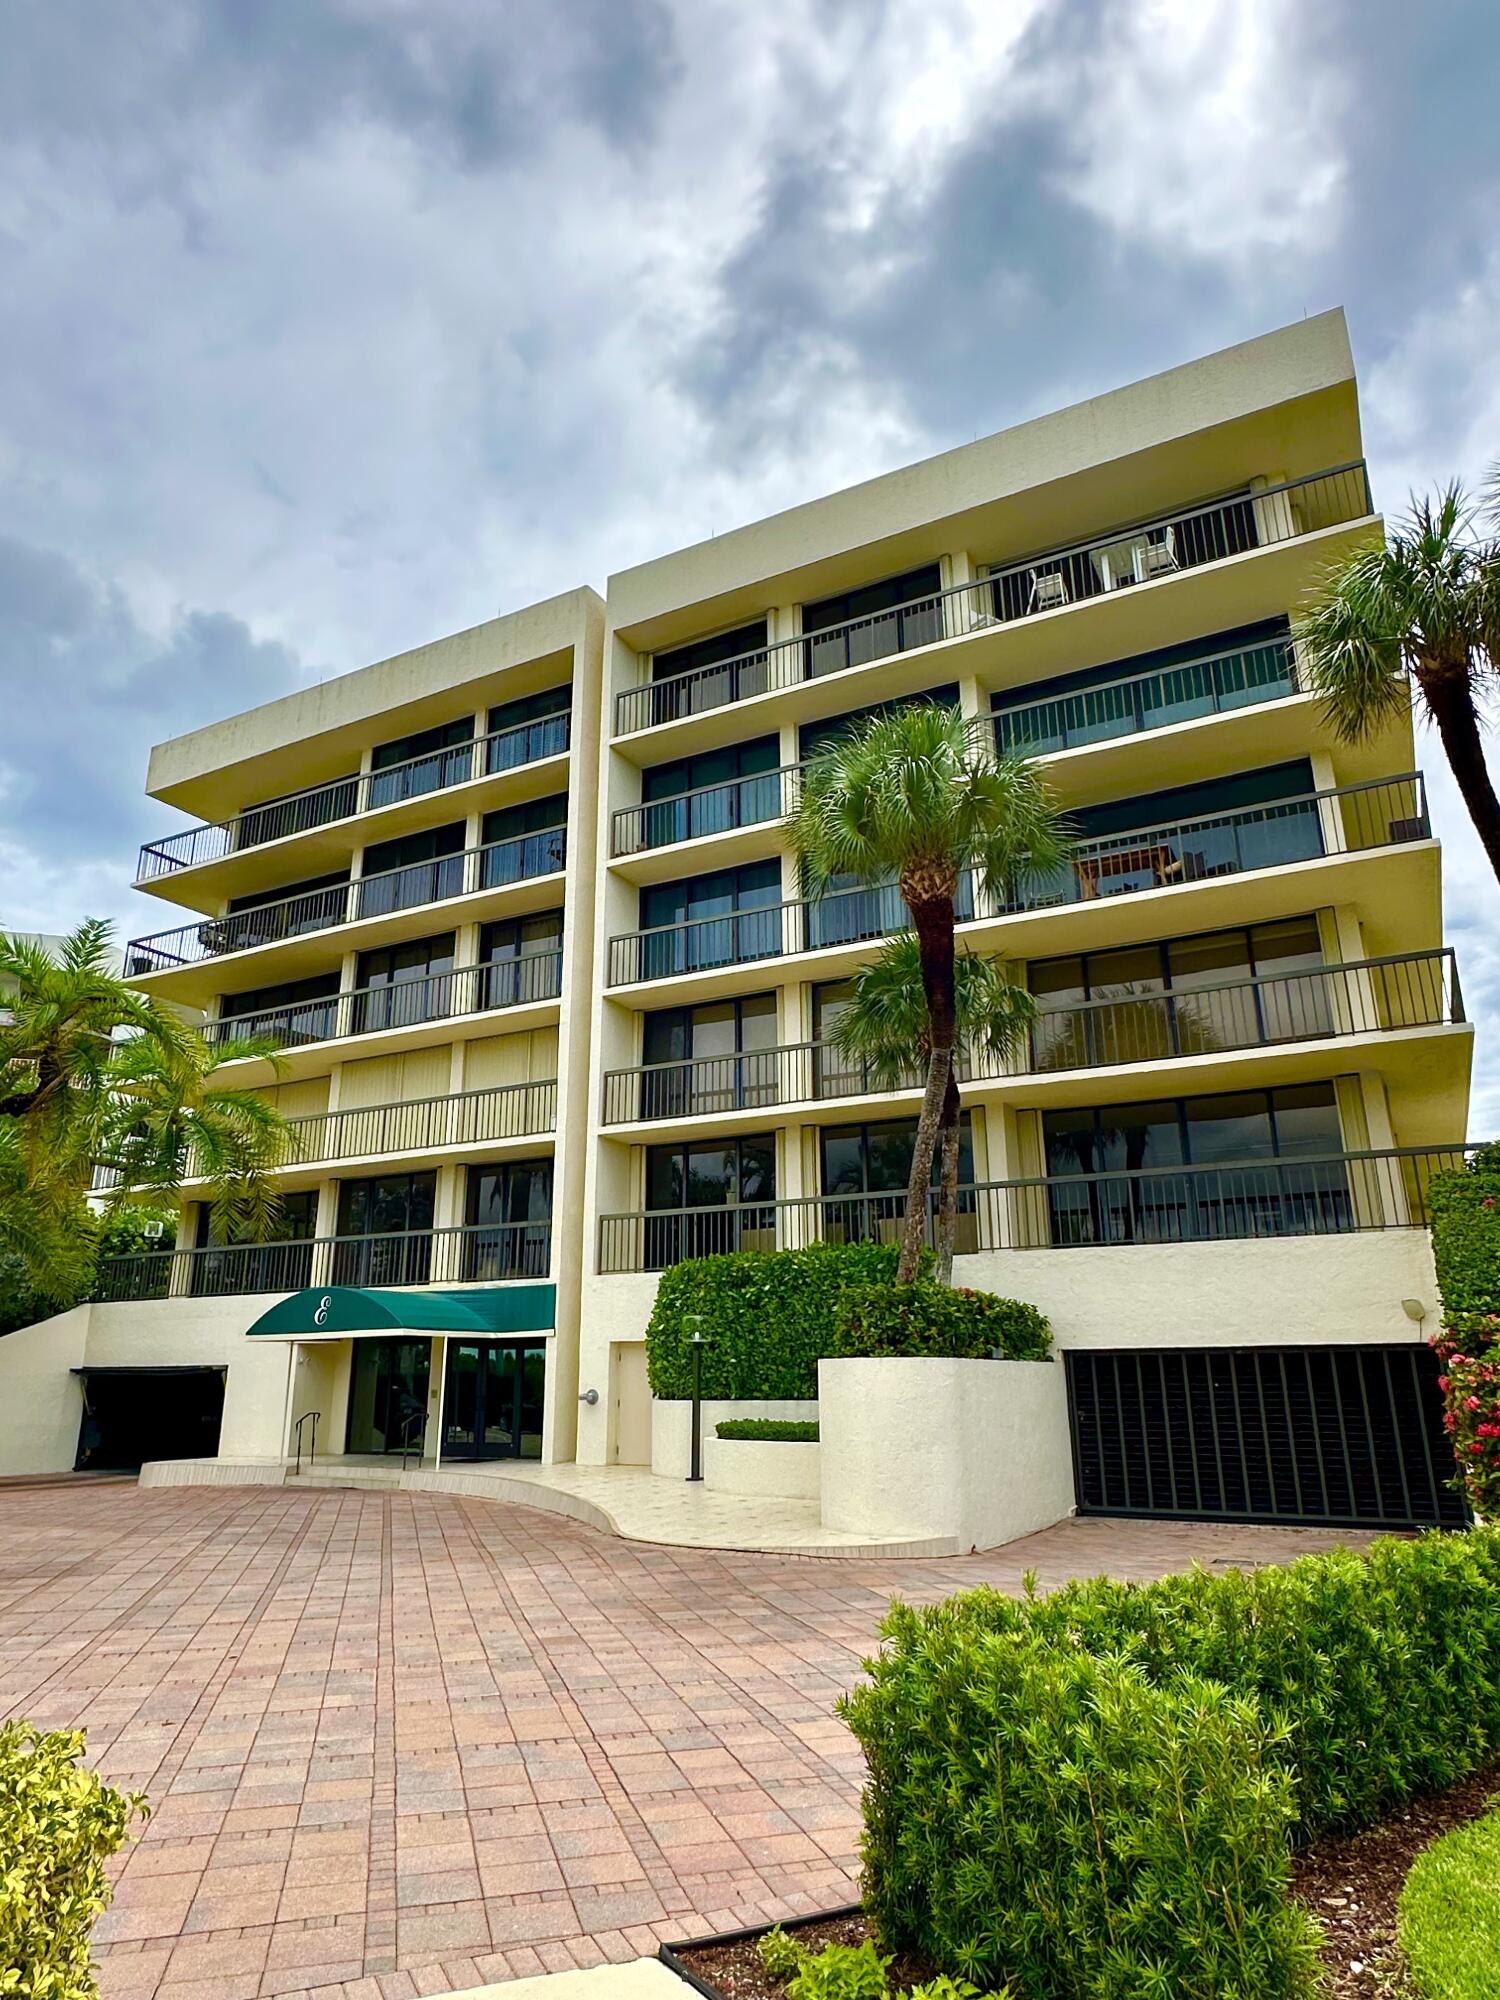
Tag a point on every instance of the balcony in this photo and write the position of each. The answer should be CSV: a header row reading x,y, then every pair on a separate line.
x,y
349,798
1371,996
484,1253
712,809
1336,1195
1148,552
1215,685
405,1003
410,888
1346,819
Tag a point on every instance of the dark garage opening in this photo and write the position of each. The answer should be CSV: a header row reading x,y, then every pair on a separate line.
x,y
134,1415
1322,1436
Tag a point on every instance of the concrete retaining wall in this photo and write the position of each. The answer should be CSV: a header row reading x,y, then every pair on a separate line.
x,y
672,1427
762,1467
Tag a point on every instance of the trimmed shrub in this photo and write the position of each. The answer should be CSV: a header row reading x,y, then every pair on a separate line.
x,y
771,1316
1062,1821
842,1972
768,1430
1465,1211
941,1320
59,1824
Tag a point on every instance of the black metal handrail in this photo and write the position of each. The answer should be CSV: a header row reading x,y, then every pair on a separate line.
x,y
1368,996
348,798
1147,551
307,1416
404,1003
1328,1195
495,866
1345,819
1138,703
475,1253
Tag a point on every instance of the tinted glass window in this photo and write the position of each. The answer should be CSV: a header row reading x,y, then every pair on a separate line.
x,y
908,588
403,748
429,845
535,816
291,993
530,708
708,652
521,937
413,960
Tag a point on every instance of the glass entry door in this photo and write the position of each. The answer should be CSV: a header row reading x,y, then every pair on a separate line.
x,y
493,1403
388,1395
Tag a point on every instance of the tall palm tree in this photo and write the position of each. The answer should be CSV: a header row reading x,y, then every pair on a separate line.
x,y
921,794
93,1072
1416,618
883,1027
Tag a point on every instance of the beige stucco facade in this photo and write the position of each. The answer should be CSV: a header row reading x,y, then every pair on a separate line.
x,y
1137,556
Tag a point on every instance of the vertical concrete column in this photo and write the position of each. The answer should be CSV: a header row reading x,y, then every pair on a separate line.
x,y
327,1227
1330,818
958,603
1275,520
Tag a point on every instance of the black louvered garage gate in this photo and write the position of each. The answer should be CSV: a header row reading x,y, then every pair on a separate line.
x,y
1339,1436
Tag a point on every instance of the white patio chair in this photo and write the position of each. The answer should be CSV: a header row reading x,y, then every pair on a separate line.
x,y
1049,589
1156,558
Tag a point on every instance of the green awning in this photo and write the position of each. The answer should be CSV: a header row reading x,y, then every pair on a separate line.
x,y
324,1312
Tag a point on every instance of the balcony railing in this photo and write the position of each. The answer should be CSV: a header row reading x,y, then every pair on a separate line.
x,y
406,1003
409,888
1334,1195
1141,702
1371,996
1349,818
477,1254
1152,550
752,801
347,798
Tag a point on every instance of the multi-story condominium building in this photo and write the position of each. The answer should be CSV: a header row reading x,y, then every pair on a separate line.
x,y
555,1006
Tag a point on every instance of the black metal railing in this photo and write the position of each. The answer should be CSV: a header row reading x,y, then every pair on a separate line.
x,y
1147,552
752,801
1332,1195
476,1253
1346,819
347,798
410,888
404,1003
1211,686
1370,996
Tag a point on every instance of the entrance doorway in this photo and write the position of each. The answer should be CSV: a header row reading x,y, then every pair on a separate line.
x,y
134,1415
492,1407
388,1395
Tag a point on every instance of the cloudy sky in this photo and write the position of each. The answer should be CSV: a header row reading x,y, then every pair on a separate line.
x,y
332,325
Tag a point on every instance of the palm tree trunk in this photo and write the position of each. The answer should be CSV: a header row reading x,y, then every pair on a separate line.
x,y
1450,696
933,921
947,1215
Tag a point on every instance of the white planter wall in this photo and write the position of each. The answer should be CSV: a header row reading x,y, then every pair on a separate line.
x,y
672,1428
762,1467
978,1450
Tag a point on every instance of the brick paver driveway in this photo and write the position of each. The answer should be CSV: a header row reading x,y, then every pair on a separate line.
x,y
397,1745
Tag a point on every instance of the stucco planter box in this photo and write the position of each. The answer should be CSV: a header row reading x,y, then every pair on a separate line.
x,y
672,1427
976,1450
771,1468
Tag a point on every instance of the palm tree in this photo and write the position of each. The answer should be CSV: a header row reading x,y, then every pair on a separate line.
x,y
93,1072
1416,618
921,794
883,1027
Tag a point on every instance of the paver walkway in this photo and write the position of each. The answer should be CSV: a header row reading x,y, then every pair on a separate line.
x,y
400,1744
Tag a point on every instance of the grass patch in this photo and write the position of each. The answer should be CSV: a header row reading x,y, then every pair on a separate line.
x,y
1449,1914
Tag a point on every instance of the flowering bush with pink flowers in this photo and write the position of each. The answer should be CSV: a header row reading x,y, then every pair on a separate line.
x,y
1466,1251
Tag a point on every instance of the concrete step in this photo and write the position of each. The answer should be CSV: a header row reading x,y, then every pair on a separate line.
x,y
366,1477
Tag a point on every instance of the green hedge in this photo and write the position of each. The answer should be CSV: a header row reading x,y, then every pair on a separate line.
x,y
1465,1211
59,1824
771,1316
768,1430
1373,1678
941,1320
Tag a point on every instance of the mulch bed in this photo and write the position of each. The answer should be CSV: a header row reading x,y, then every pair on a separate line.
x,y
1351,1886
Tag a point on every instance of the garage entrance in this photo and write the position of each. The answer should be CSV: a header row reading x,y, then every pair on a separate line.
x,y
1318,1436
134,1415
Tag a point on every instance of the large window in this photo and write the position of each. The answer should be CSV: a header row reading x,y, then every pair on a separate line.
x,y
525,840
509,1210
740,657
403,984
711,792
235,1263
866,1169
385,1230
729,916
1244,1163
893,615
291,910
836,1075
418,868
521,959
715,1057
1195,995
535,725
697,1178
298,1010
446,758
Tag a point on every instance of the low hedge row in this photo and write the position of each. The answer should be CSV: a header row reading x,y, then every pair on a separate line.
x,y
59,1824
771,1316
1465,1209
928,1319
768,1430
1069,1791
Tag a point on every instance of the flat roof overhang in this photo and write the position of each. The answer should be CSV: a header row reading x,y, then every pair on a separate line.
x,y
328,1312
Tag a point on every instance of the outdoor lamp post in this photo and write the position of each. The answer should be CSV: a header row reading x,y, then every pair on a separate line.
x,y
697,1343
